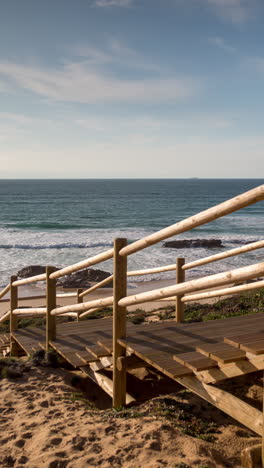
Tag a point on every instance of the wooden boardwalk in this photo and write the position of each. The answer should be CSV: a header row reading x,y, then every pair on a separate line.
x,y
175,349
196,355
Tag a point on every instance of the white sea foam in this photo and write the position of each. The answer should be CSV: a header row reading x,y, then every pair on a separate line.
x,y
19,248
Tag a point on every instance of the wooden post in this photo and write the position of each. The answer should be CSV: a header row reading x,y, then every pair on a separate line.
x,y
79,301
180,278
51,304
13,318
119,323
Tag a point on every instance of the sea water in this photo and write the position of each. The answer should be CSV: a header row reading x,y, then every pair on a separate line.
x,y
60,222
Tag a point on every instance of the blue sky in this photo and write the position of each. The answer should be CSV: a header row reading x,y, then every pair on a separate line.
x,y
131,88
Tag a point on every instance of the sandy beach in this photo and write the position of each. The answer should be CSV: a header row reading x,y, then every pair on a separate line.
x,y
46,422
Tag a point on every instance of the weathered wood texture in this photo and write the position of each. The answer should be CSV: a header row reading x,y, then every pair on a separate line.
x,y
107,301
31,279
119,323
180,278
5,291
97,286
220,279
224,292
13,318
51,304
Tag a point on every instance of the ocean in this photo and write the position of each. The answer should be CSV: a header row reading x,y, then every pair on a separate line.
x,y
60,222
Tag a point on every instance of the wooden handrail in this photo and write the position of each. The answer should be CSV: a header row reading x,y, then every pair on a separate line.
x,y
224,292
150,271
220,279
5,291
215,212
5,316
226,254
37,310
107,301
89,312
30,279
96,286
84,264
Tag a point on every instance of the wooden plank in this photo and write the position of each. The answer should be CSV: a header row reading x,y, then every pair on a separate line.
x,y
97,351
234,369
85,356
161,361
107,345
97,366
68,355
256,347
236,340
195,361
105,383
221,352
231,405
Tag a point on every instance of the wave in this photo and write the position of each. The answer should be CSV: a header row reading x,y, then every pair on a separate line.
x,y
55,246
44,226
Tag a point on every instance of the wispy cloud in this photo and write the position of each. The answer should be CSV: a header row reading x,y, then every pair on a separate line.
x,y
222,44
112,3
95,76
236,11
115,53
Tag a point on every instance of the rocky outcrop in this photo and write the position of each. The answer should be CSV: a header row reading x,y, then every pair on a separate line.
x,y
83,278
80,279
194,243
32,270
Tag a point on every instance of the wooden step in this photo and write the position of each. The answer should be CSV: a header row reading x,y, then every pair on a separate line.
x,y
195,361
221,352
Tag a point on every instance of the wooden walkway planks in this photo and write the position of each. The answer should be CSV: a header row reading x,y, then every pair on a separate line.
x,y
176,349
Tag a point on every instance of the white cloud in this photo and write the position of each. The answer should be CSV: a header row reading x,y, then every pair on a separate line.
x,y
80,82
222,44
115,53
112,3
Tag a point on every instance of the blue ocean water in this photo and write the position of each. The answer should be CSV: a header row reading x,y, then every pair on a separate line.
x,y
63,221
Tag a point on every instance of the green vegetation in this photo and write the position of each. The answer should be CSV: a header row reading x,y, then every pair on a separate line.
x,y
244,304
181,415
78,396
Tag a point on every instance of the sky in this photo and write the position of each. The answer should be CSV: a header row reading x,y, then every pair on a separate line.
x,y
131,88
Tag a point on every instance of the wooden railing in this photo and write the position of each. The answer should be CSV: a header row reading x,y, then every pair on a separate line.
x,y
180,292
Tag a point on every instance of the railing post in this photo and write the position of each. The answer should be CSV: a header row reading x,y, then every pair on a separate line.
x,y
13,318
51,304
119,323
79,301
180,278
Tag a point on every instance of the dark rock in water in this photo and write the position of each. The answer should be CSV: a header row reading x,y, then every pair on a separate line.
x,y
32,270
82,279
194,243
